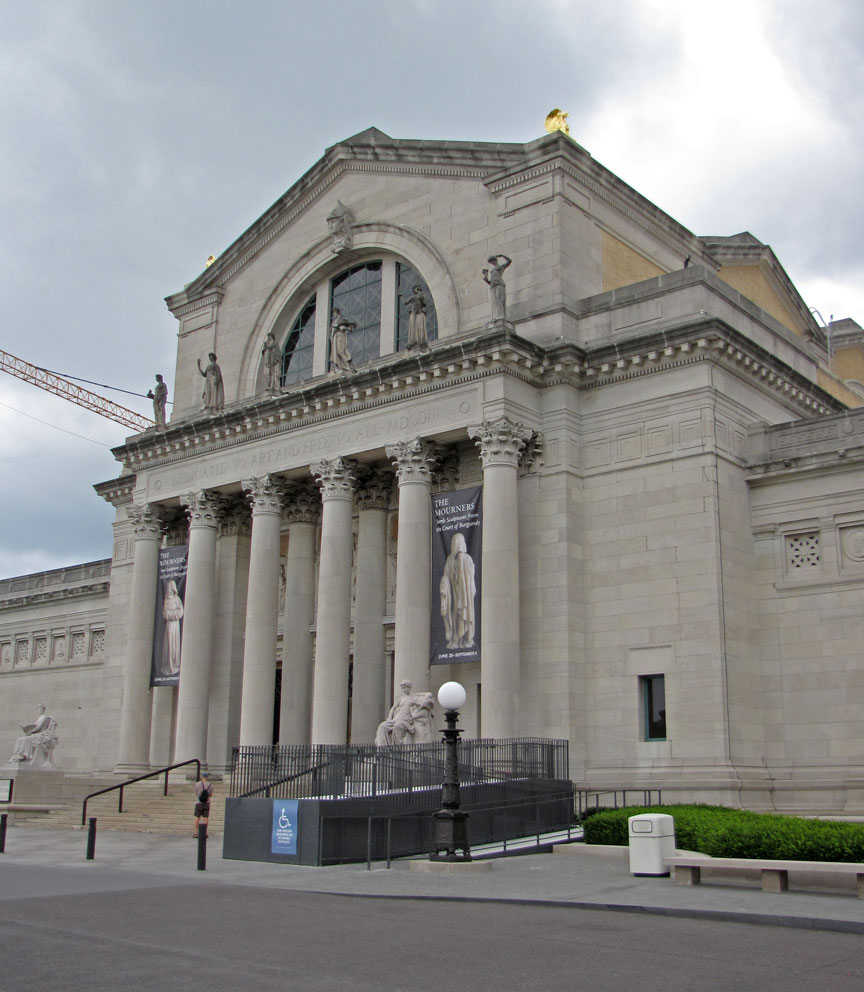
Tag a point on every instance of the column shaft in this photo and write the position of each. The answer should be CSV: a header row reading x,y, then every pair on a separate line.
x,y
193,698
333,626
134,754
500,442
368,703
297,641
414,461
262,608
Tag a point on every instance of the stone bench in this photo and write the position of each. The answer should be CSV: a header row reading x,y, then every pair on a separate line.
x,y
687,870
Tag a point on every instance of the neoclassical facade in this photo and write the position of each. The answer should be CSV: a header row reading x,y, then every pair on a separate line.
x,y
671,574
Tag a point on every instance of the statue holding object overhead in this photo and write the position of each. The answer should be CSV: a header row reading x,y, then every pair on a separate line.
x,y
340,353
494,277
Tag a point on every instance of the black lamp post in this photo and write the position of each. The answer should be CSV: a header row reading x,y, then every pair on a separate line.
x,y
451,828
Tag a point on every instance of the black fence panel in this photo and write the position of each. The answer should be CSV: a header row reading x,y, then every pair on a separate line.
x,y
330,771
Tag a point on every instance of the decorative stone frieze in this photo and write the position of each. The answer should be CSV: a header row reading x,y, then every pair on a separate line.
x,y
335,477
148,521
374,489
501,441
265,494
302,504
203,508
414,460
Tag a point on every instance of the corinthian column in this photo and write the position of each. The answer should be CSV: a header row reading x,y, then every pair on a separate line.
x,y
414,461
134,756
368,703
500,442
193,698
302,515
333,626
262,608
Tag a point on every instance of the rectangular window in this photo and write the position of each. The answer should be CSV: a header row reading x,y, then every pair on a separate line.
x,y
653,706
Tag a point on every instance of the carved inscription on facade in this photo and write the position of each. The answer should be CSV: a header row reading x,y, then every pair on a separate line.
x,y
316,443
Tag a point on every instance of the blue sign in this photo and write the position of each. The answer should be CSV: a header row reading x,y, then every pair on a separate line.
x,y
283,839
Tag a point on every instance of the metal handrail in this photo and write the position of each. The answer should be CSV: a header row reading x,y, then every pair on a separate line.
x,y
140,778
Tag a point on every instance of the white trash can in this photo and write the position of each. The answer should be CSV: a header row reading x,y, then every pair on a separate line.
x,y
651,838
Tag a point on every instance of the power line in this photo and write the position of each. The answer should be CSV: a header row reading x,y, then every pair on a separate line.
x,y
47,423
101,385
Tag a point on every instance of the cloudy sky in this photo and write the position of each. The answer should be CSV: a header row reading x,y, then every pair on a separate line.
x,y
140,136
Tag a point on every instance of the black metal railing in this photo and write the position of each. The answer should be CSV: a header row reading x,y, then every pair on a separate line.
x,y
139,778
589,800
354,771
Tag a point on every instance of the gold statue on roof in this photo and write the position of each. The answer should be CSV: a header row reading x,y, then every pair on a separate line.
x,y
556,120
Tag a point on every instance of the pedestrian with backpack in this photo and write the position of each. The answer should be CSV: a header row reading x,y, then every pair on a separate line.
x,y
203,795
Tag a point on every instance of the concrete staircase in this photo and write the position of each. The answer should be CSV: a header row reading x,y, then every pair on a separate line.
x,y
145,810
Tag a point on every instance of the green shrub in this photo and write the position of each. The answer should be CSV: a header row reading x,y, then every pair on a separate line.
x,y
722,832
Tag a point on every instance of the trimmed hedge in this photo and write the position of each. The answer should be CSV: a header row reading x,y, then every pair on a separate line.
x,y
722,832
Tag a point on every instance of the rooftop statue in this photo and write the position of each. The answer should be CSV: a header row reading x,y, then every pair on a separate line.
x,y
417,336
159,395
272,362
497,290
213,397
340,353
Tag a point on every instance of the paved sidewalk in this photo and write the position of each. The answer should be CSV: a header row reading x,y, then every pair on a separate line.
x,y
52,862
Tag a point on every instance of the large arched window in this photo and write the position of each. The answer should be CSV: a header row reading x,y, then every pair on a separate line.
x,y
373,295
357,294
299,347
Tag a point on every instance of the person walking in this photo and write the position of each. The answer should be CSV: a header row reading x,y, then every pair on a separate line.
x,y
203,795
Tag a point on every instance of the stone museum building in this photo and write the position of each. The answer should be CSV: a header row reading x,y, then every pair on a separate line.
x,y
659,449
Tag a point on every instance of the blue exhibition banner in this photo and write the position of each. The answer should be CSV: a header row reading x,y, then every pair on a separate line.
x,y
283,839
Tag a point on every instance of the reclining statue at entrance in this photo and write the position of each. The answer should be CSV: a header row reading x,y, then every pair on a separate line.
x,y
409,720
37,745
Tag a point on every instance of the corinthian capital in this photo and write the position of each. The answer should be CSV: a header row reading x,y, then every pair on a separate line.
x,y
265,494
335,477
204,507
302,505
414,460
374,489
500,441
148,521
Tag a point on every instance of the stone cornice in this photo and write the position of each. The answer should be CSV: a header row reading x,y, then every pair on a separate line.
x,y
816,445
89,579
470,358
118,491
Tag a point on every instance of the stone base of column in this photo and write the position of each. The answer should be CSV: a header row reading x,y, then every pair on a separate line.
x,y
131,770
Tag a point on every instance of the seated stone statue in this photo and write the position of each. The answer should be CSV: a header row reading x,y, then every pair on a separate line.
x,y
36,747
409,720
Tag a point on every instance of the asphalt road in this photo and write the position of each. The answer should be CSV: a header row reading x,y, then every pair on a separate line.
x,y
92,934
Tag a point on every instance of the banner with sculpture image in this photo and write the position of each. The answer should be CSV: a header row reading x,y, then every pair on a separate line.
x,y
168,622
457,543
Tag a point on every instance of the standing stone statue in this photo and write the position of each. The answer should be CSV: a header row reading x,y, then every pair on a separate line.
x,y
457,590
172,614
159,395
272,362
497,290
37,745
340,353
213,396
417,336
339,222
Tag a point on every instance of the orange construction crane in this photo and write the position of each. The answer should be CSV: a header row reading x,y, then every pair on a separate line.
x,y
53,383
